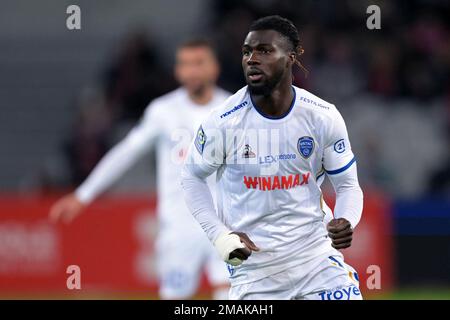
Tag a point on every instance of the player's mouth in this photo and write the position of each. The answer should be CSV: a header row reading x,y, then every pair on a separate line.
x,y
255,75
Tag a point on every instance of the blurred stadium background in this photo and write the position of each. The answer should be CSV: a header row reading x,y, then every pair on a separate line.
x,y
67,96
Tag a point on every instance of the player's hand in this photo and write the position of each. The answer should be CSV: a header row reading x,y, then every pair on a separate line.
x,y
341,233
66,209
244,253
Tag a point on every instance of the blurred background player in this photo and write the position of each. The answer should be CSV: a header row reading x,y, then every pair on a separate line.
x,y
168,124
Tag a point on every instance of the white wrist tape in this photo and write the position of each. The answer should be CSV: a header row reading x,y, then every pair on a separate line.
x,y
227,243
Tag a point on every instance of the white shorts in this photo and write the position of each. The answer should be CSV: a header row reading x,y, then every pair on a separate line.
x,y
328,278
181,261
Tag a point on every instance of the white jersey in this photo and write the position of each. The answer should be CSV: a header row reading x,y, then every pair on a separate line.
x,y
168,125
269,172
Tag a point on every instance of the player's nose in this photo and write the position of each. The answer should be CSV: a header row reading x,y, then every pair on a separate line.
x,y
252,59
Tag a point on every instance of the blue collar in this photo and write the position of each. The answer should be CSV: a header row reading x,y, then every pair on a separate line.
x,y
279,117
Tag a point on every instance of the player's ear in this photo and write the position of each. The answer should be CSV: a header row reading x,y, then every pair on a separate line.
x,y
217,69
292,57
299,52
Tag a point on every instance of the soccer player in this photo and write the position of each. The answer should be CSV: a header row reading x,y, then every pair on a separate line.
x,y
271,145
168,125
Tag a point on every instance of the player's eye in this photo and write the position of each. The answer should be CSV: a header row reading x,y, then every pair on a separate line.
x,y
245,53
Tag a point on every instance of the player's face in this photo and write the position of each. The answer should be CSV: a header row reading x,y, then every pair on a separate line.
x,y
196,68
265,60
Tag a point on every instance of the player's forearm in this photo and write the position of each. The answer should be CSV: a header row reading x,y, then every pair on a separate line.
x,y
110,168
200,203
349,196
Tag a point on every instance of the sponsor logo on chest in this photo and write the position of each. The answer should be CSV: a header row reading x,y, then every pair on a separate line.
x,y
269,183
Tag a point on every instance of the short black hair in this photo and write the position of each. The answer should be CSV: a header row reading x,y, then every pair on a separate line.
x,y
282,25
196,43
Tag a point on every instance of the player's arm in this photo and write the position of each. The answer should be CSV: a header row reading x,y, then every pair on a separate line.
x,y
340,165
205,156
110,168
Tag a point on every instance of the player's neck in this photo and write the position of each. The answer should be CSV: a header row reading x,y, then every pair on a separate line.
x,y
278,103
202,97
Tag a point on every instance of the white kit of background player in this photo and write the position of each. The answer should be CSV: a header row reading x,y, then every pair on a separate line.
x,y
269,175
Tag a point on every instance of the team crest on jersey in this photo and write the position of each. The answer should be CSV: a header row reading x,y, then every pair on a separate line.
x,y
305,146
200,140
248,153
